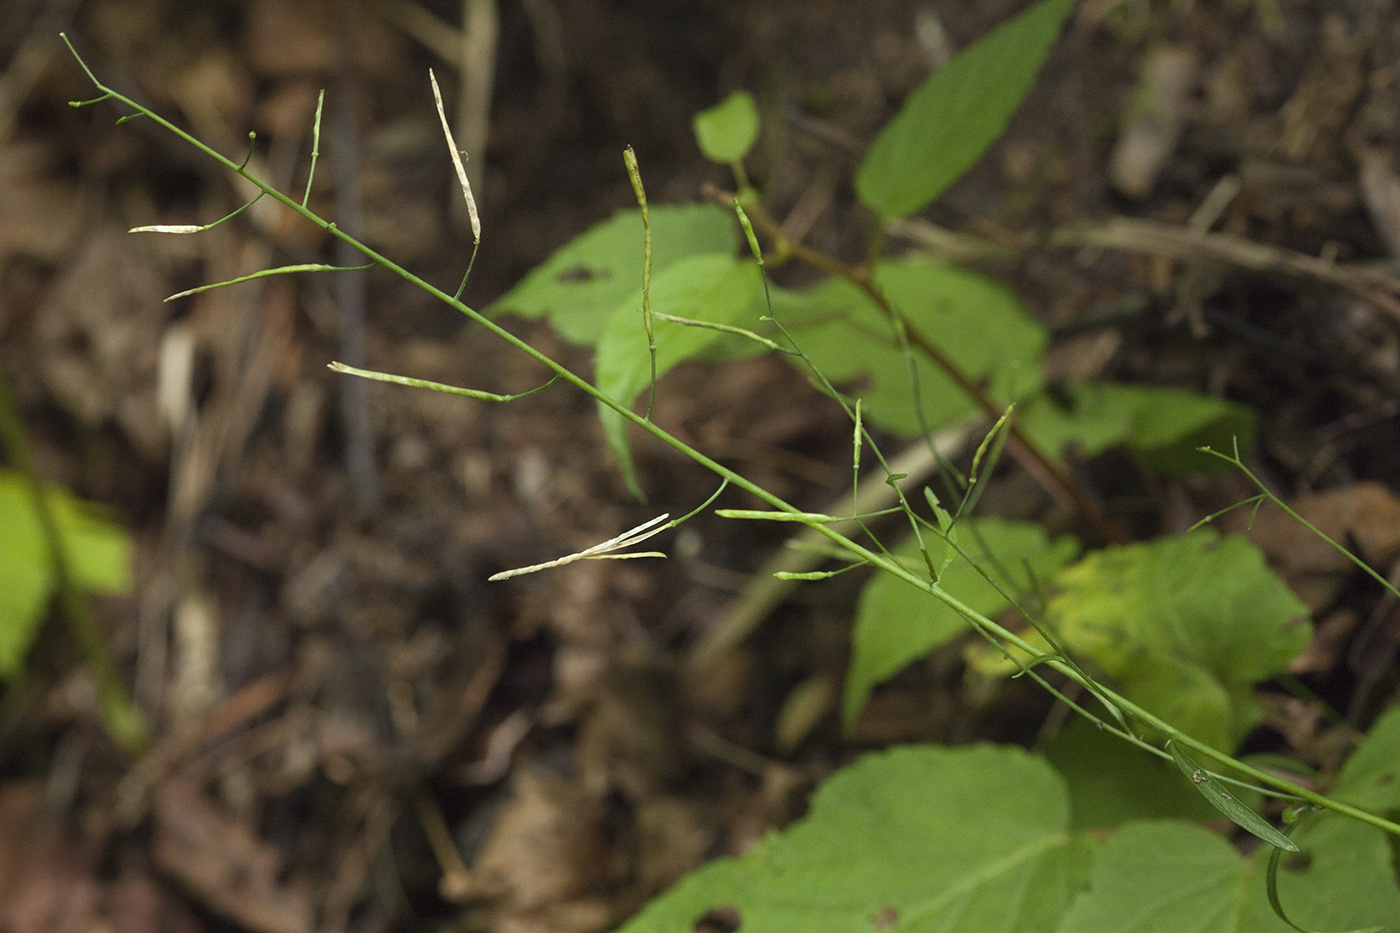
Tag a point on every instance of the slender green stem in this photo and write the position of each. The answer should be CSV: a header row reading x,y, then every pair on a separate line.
x,y
194,228
1266,493
1126,706
315,146
883,561
434,386
264,273
1049,474
722,328
635,173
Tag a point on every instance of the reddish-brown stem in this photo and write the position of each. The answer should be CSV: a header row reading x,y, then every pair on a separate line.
x,y
1051,476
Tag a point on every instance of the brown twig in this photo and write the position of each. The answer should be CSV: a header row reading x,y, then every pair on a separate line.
x,y
1144,236
1184,243
1050,475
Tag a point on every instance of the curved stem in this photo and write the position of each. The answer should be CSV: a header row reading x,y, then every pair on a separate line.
x,y
1051,476
884,562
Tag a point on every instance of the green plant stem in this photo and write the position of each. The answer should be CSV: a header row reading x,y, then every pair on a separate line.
x,y
1340,549
884,562
1131,709
119,713
1050,475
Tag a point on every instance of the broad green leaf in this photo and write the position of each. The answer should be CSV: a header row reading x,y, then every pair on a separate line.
x,y
727,131
1162,876
99,553
1188,621
897,623
951,119
581,284
969,840
1370,778
975,321
1194,699
717,288
784,302
1167,876
1166,426
1112,782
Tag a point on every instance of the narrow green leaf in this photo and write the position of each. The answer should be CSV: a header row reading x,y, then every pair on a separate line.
x,y
947,553
1271,886
1223,800
580,285
951,119
727,131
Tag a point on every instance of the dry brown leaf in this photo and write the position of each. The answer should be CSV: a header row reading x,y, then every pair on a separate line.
x,y
46,882
98,334
38,217
674,834
136,904
224,864
1364,516
546,849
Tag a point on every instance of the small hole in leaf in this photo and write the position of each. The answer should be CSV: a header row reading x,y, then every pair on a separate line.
x,y
724,919
886,918
581,274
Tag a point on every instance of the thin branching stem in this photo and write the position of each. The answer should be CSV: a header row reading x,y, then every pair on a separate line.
x,y
1265,494
315,146
634,172
264,273
434,386
884,561
1049,474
